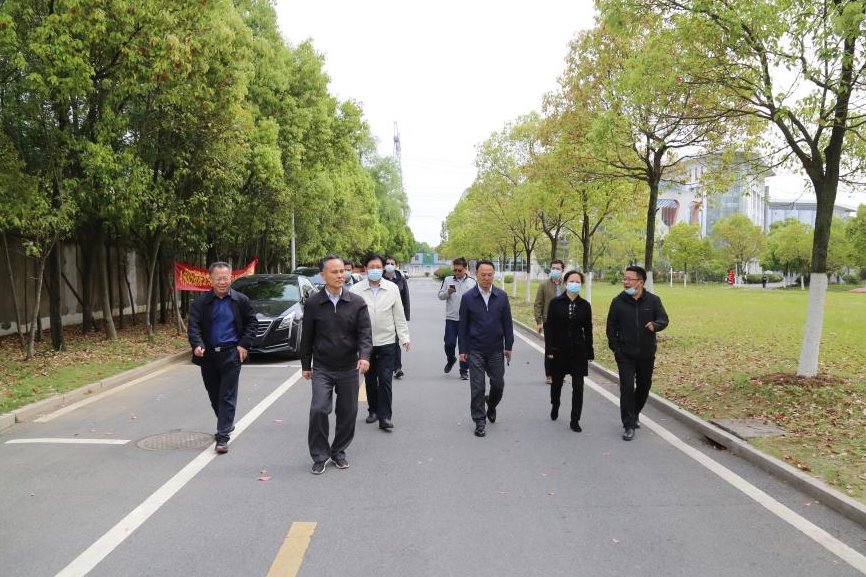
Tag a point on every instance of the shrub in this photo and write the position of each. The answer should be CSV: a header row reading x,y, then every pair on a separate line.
x,y
442,272
509,278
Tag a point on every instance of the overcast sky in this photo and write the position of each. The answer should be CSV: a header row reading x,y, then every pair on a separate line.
x,y
449,74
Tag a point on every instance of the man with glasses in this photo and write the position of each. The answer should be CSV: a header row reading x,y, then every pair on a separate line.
x,y
221,328
547,291
393,274
451,291
635,317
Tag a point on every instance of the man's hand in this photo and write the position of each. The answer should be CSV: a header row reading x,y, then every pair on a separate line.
x,y
507,355
651,327
452,289
198,351
464,358
406,346
540,328
363,366
243,353
307,374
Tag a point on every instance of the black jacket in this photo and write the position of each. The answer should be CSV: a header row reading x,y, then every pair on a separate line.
x,y
626,324
335,338
403,285
569,338
201,316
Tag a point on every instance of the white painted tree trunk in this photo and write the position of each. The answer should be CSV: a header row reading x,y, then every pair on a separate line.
x,y
514,284
814,325
649,285
528,287
587,286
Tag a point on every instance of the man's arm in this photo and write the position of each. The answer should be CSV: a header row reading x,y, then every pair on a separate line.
x,y
250,324
661,315
444,293
463,327
404,296
612,330
305,351
507,327
401,324
193,326
538,306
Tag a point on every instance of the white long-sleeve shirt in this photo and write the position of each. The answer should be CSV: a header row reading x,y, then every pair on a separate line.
x,y
386,312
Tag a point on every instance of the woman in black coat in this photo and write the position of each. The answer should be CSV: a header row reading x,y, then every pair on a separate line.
x,y
568,343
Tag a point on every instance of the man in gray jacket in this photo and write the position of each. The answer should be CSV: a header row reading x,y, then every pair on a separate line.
x,y
451,291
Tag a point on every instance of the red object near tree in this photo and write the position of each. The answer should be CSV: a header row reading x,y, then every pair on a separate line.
x,y
730,277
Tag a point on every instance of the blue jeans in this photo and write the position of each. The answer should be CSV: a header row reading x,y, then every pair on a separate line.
x,y
451,329
377,380
220,372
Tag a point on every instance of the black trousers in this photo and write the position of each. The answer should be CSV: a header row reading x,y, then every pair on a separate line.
x,y
378,380
557,378
220,372
492,365
325,383
635,380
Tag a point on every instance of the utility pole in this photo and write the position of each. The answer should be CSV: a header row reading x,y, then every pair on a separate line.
x,y
396,154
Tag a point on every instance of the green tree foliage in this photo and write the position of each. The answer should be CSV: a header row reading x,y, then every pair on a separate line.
x,y
856,233
739,240
789,247
684,247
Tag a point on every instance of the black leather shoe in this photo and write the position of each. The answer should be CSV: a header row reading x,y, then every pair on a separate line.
x,y
386,424
628,434
554,412
398,374
479,430
575,426
464,376
449,365
371,417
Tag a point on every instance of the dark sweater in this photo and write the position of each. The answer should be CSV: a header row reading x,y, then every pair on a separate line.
x,y
626,324
485,328
335,337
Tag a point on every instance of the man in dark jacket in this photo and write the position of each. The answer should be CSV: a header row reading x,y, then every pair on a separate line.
x,y
393,274
336,344
222,326
635,317
485,337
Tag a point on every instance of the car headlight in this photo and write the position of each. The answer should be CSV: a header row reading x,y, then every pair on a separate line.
x,y
287,321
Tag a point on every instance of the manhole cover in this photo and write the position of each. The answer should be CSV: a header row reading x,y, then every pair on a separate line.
x,y
176,440
750,428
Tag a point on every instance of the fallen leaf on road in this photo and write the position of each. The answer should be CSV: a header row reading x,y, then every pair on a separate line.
x,y
551,493
278,420
265,478
615,541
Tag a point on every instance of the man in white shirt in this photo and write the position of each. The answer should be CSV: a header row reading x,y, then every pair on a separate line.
x,y
389,323
451,291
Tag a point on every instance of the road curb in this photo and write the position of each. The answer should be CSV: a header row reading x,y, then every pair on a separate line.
x,y
820,490
60,400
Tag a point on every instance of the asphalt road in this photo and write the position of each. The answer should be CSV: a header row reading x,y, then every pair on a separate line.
x,y
428,499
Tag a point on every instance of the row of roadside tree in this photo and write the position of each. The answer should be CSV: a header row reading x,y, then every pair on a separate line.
x,y
187,131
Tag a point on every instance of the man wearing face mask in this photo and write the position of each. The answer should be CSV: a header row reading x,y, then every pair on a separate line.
x,y
547,291
348,269
568,345
389,323
395,276
635,317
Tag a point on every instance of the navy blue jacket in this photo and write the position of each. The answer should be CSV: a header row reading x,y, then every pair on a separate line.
x,y
201,316
485,328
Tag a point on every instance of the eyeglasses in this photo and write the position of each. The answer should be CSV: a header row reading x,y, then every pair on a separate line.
x,y
630,279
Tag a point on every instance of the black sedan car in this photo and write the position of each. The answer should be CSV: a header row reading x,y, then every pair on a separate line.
x,y
278,300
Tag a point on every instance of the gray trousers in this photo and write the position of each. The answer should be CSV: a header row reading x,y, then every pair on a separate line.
x,y
492,365
325,383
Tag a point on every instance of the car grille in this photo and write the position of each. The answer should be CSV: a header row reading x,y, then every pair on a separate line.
x,y
263,327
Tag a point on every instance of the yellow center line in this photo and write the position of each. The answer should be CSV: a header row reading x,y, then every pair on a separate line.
x,y
291,554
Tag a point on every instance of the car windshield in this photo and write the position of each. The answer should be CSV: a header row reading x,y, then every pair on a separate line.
x,y
268,289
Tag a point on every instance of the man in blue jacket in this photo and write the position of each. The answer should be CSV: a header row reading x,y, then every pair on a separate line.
x,y
222,326
635,316
485,337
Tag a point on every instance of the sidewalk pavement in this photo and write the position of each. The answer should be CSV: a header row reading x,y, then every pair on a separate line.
x,y
849,507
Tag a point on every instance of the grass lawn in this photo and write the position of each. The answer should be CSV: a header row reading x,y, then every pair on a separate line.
x,y
733,353
86,359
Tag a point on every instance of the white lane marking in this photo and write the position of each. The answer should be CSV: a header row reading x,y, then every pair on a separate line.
x,y
94,554
100,396
60,441
823,538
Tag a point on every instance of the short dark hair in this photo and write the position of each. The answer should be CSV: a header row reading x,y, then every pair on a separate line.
x,y
218,264
641,271
571,272
373,256
484,261
459,261
348,262
391,257
559,262
326,259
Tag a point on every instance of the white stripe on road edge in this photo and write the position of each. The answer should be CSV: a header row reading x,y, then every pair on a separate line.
x,y
823,538
85,562
70,441
99,396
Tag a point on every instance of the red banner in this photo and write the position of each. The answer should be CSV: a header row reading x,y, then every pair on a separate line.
x,y
193,278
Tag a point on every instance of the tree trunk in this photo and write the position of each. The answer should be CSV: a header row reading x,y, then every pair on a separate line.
x,y
528,276
149,319
54,295
118,268
19,327
86,272
40,274
163,297
105,278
